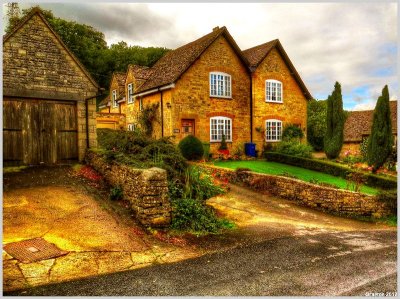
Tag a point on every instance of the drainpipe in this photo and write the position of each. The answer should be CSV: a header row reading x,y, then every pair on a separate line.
x,y
251,107
162,113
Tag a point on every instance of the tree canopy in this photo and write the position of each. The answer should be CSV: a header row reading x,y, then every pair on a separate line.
x,y
90,47
316,123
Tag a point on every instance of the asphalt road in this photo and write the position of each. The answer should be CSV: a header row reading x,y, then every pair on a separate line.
x,y
340,263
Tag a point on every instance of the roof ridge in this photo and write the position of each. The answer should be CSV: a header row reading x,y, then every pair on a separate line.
x,y
263,44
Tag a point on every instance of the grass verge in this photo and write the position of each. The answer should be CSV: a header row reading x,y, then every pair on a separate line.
x,y
306,175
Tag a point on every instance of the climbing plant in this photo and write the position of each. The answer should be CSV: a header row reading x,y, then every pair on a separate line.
x,y
148,117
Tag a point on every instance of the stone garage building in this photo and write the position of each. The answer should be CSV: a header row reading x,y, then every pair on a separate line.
x,y
49,99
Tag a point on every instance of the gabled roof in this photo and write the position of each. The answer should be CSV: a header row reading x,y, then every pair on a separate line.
x,y
172,65
120,77
37,11
258,53
139,72
105,102
359,123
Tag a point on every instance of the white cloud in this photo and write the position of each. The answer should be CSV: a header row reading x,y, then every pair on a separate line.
x,y
347,42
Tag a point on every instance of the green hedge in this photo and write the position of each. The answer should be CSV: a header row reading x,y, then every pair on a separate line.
x,y
330,168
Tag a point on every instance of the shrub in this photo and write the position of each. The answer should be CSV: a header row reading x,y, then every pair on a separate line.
x,y
200,185
331,168
191,148
116,193
238,150
389,197
136,150
294,148
292,132
316,123
192,215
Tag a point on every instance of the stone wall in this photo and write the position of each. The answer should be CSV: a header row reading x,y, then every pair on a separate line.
x,y
326,199
146,189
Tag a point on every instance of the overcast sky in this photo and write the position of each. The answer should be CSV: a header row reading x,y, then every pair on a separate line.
x,y
355,44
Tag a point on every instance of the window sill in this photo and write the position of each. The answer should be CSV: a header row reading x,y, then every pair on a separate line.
x,y
227,141
272,140
220,97
274,102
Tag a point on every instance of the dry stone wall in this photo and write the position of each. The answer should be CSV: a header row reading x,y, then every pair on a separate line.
x,y
146,189
322,198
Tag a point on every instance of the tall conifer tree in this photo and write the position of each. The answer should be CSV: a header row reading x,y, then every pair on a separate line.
x,y
335,119
381,140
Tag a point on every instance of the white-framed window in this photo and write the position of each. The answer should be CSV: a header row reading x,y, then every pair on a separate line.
x,y
220,85
273,130
273,91
220,126
114,99
140,104
130,93
131,127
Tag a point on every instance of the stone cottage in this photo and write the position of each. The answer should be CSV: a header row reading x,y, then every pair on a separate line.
x,y
210,88
358,127
49,99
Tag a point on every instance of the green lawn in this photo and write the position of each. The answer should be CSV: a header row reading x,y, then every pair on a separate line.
x,y
301,173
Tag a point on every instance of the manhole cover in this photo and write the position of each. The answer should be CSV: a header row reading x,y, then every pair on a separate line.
x,y
33,250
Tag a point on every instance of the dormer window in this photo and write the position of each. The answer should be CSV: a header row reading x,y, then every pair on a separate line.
x,y
220,85
114,99
273,91
130,93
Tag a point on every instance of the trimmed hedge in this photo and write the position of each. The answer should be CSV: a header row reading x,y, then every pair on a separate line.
x,y
330,168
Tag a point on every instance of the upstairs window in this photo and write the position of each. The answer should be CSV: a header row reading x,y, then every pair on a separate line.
x,y
273,130
273,91
220,126
130,93
114,99
220,85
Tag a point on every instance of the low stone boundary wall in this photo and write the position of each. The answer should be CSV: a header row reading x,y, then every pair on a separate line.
x,y
322,198
146,189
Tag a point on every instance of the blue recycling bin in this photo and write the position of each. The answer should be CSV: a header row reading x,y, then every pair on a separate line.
x,y
250,149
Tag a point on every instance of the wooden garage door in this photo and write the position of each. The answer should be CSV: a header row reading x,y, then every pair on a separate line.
x,y
39,131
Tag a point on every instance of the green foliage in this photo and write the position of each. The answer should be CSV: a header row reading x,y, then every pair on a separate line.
x,y
364,147
192,215
199,184
116,193
148,117
381,139
316,123
331,168
294,148
355,180
206,149
89,46
389,197
238,150
292,132
223,146
136,150
335,118
191,148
